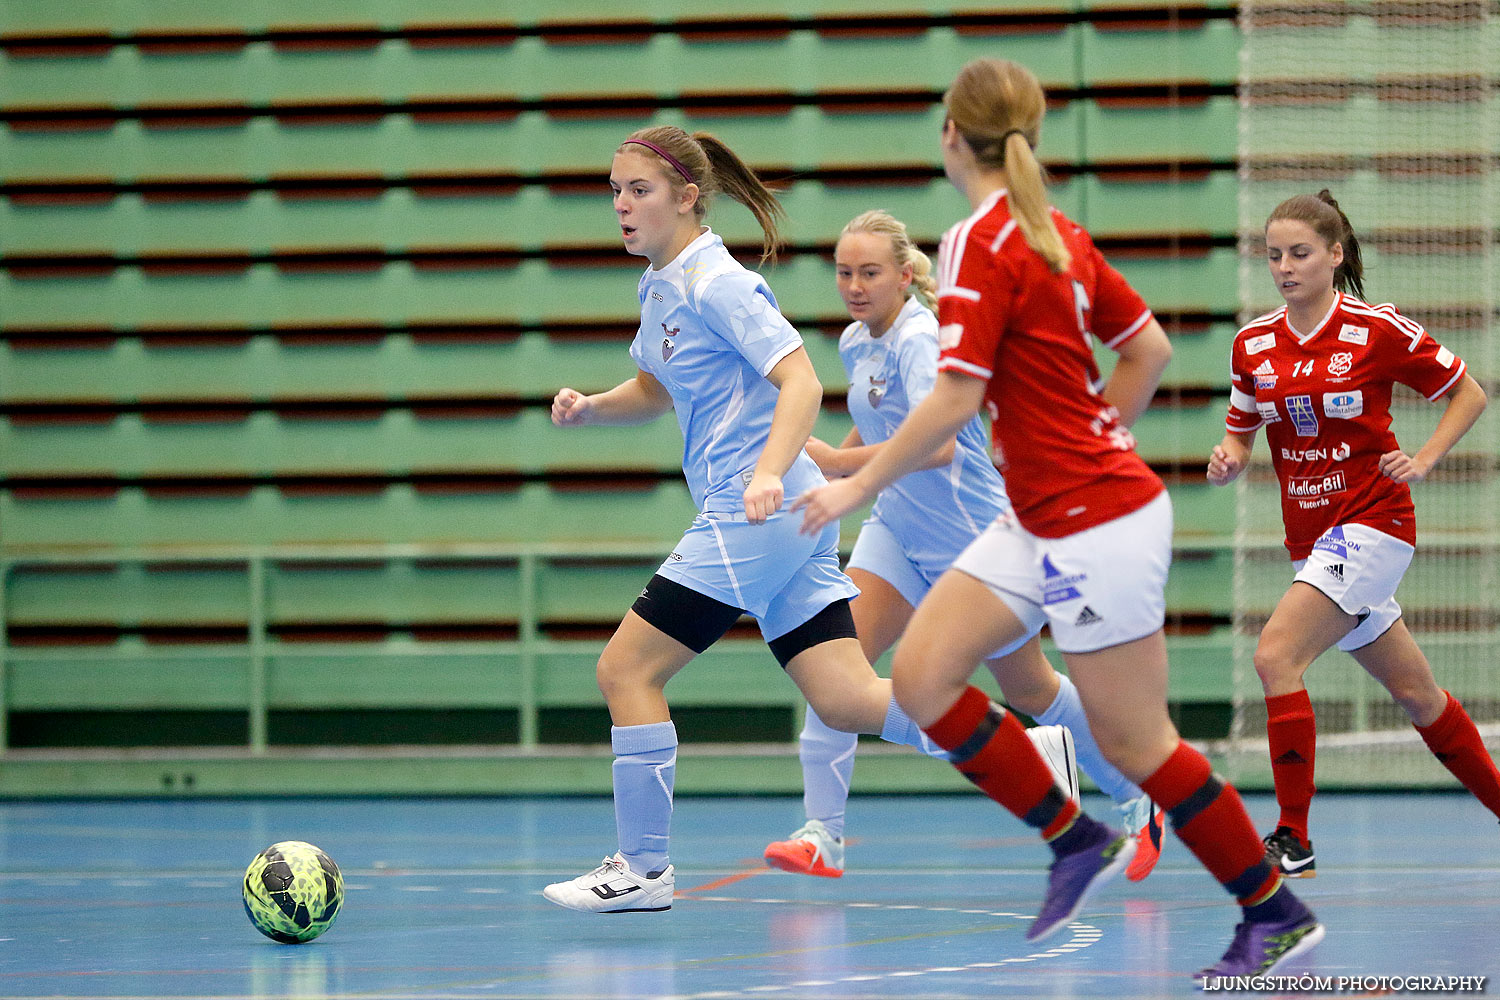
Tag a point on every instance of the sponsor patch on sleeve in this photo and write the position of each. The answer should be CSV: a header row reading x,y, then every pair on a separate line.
x,y
1445,357
949,334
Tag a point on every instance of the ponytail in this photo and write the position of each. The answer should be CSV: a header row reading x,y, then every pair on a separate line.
x,y
740,183
997,107
1350,276
1029,205
923,281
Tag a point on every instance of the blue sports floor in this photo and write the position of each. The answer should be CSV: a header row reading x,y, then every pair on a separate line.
x,y
141,900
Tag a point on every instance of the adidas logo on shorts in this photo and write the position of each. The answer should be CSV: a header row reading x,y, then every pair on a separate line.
x,y
1336,571
1087,617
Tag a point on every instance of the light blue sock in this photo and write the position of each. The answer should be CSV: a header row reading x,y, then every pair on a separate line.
x,y
1067,710
899,728
827,768
645,767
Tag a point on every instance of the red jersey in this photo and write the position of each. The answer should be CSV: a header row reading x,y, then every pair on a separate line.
x,y
1069,463
1324,398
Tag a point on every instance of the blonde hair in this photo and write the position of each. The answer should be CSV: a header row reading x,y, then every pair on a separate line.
x,y
997,106
1322,213
715,168
880,223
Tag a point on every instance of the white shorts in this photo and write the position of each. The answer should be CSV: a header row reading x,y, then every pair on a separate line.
x,y
1359,569
1097,588
879,552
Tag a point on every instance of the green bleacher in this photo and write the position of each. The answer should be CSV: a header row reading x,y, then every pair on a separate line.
x,y
285,291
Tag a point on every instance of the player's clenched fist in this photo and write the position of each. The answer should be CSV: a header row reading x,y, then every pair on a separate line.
x,y
570,408
1224,468
763,498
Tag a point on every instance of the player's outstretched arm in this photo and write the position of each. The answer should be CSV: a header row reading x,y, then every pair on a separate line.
x,y
851,456
637,401
833,460
952,403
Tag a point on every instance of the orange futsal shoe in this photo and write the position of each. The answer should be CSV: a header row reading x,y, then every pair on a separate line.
x,y
810,851
1143,821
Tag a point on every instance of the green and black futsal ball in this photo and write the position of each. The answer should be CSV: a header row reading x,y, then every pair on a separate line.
x,y
293,892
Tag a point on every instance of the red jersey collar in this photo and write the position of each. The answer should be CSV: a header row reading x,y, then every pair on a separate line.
x,y
1338,300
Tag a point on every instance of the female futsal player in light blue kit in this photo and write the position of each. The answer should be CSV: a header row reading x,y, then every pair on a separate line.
x,y
713,347
918,527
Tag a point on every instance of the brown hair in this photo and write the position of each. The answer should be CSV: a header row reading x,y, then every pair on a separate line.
x,y
997,106
1324,216
924,285
715,168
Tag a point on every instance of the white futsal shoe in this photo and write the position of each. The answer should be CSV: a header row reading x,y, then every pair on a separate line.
x,y
1055,744
614,888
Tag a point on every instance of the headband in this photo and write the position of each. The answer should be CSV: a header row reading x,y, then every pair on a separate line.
x,y
665,156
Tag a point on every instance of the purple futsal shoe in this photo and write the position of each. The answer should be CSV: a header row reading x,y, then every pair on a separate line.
x,y
1260,948
1075,877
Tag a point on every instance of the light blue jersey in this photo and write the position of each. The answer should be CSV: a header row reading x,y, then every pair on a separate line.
x,y
710,332
935,513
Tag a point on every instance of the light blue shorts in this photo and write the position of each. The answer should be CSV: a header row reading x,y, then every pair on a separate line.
x,y
880,553
779,576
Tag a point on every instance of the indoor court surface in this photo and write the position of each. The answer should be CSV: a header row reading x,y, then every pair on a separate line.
x,y
140,899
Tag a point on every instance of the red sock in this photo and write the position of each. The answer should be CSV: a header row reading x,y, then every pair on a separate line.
x,y
1293,734
991,749
1211,820
1453,740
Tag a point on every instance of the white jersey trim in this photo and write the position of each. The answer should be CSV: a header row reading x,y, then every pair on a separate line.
x,y
1462,367
958,238
968,368
778,358
1304,338
1002,236
958,292
1411,329
675,270
1269,319
955,483
731,416
1130,330
1242,401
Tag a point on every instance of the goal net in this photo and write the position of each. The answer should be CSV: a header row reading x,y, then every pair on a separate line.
x,y
1392,105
